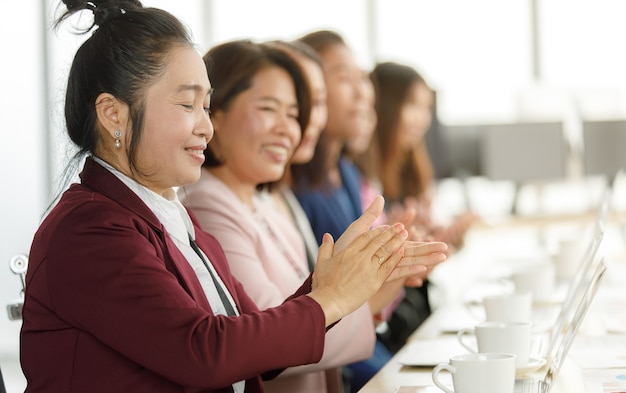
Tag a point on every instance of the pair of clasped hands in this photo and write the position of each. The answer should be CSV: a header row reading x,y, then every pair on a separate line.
x,y
365,260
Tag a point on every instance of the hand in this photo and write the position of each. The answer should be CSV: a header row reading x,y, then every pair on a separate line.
x,y
454,234
418,260
344,281
361,224
421,206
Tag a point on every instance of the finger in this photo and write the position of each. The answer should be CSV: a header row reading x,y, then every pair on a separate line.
x,y
408,217
391,245
416,249
391,263
414,281
326,248
361,224
415,234
369,237
324,254
405,272
425,260
366,220
373,211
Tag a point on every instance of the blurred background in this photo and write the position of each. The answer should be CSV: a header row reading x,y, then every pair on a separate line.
x,y
530,111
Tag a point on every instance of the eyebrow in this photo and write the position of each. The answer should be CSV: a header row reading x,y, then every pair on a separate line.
x,y
277,101
193,87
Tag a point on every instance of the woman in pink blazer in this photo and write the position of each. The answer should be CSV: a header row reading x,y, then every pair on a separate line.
x,y
259,112
124,291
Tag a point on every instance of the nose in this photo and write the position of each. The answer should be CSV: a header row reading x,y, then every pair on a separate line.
x,y
204,127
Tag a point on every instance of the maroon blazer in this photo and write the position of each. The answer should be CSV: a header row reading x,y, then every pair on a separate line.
x,y
111,305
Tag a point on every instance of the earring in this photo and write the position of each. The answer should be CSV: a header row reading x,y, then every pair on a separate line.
x,y
118,135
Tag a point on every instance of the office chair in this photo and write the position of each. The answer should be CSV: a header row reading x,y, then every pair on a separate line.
x,y
3,388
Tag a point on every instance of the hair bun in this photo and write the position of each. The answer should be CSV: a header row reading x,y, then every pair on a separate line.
x,y
102,9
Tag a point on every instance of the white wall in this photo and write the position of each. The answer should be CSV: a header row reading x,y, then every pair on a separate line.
x,y
22,146
22,153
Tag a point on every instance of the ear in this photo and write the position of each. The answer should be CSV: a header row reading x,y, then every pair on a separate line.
x,y
112,115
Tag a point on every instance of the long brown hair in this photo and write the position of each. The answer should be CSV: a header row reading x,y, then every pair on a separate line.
x,y
402,173
314,174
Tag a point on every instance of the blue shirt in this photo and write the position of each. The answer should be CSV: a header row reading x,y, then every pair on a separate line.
x,y
333,210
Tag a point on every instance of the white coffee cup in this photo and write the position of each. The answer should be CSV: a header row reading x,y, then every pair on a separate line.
x,y
539,280
478,372
568,258
514,307
500,337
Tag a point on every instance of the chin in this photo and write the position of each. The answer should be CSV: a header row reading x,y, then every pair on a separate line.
x,y
192,177
275,176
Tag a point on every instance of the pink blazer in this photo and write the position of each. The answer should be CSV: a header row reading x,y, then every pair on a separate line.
x,y
262,247
111,305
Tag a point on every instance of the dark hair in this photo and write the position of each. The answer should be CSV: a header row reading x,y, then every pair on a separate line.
x,y
401,175
232,66
123,56
314,174
298,49
322,39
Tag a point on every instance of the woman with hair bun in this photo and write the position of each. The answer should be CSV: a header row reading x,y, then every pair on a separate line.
x,y
124,291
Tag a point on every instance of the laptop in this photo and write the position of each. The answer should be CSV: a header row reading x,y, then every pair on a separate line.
x,y
545,345
545,384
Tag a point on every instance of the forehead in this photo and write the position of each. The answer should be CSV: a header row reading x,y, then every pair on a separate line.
x,y
183,67
271,76
419,91
311,69
338,58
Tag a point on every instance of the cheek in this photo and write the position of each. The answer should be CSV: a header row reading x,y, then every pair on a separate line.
x,y
237,129
302,155
337,96
318,119
295,134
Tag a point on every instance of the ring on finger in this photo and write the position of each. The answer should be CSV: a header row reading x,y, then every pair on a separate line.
x,y
381,260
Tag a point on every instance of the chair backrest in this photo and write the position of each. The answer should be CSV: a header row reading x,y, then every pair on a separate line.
x,y
603,142
524,152
3,388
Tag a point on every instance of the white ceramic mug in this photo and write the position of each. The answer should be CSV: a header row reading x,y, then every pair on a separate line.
x,y
539,280
568,259
478,373
514,307
502,337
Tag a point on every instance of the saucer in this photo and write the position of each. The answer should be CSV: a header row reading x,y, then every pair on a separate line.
x,y
534,364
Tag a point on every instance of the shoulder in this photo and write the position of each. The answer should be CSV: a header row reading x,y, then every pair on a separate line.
x,y
81,207
210,196
86,228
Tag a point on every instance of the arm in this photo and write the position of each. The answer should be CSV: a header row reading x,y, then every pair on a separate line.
x,y
102,277
348,341
261,273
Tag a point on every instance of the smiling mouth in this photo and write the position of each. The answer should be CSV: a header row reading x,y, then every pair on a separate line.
x,y
199,152
278,151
